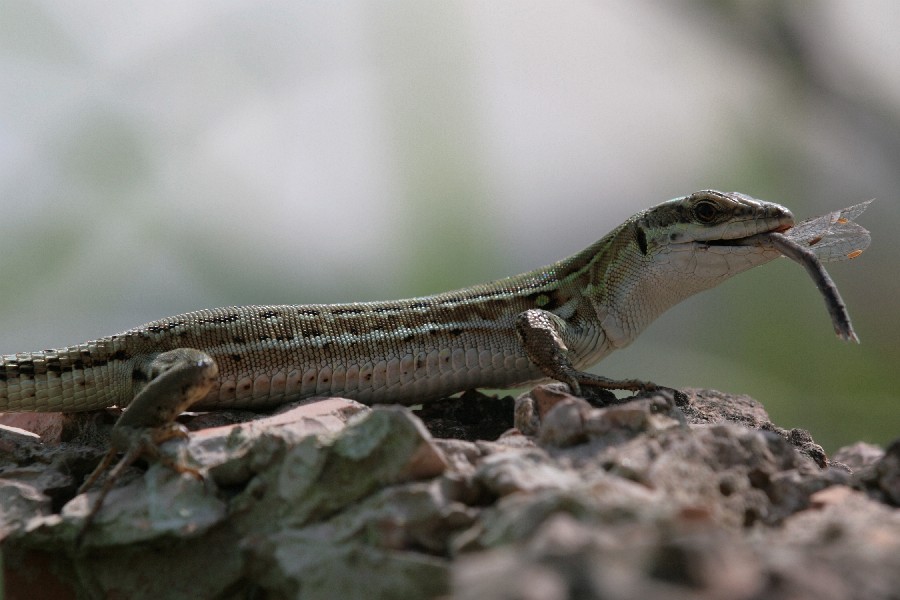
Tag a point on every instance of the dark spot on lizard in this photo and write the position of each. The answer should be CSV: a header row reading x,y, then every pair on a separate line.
x,y
347,311
137,374
162,327
312,332
118,355
26,369
456,331
545,300
237,339
308,312
417,305
263,338
409,337
236,357
419,362
217,319
268,314
641,237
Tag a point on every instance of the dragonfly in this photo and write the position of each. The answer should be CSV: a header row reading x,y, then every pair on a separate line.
x,y
831,237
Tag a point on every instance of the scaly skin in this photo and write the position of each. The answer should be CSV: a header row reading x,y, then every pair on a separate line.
x,y
550,322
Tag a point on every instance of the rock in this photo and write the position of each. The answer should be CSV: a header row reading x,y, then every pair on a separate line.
x,y
881,477
569,558
710,406
506,473
846,549
662,496
46,426
56,428
858,456
888,473
850,550
564,423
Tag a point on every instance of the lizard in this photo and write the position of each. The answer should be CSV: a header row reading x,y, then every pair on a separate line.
x,y
552,322
549,323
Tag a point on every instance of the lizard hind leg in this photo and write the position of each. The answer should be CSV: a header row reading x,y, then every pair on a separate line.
x,y
130,456
177,379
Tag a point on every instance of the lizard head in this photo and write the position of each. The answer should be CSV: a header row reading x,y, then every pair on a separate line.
x,y
701,239
679,248
714,218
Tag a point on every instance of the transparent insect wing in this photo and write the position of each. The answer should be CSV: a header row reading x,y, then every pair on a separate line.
x,y
834,236
851,212
843,242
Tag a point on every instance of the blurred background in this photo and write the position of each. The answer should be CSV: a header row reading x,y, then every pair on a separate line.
x,y
157,158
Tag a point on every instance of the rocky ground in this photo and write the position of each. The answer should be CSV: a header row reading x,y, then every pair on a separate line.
x,y
698,496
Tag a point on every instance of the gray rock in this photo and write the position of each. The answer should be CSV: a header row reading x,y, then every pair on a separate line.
x,y
687,496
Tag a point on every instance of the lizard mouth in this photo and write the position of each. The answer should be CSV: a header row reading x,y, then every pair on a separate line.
x,y
748,240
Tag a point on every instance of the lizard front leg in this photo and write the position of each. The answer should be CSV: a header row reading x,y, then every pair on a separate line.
x,y
177,379
542,333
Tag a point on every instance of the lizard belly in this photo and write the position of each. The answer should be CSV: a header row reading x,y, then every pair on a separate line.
x,y
405,373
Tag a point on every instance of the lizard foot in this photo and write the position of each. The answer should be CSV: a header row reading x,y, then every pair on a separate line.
x,y
144,443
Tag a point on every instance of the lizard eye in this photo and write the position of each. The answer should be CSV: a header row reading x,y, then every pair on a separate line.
x,y
706,211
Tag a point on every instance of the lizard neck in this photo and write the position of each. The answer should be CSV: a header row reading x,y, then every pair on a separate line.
x,y
638,272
